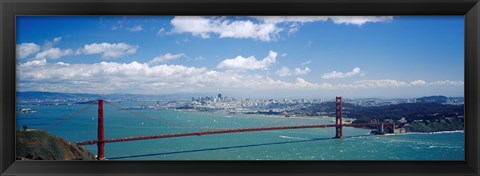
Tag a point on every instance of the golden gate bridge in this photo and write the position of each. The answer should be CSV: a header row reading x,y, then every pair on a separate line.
x,y
101,141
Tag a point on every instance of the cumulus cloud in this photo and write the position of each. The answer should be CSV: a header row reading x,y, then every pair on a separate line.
x,y
354,20
364,84
136,28
47,51
34,63
165,58
161,31
376,83
50,43
224,28
285,71
335,74
57,40
300,71
263,28
61,63
447,82
291,19
248,63
306,62
26,49
359,20
53,53
418,82
108,50
134,77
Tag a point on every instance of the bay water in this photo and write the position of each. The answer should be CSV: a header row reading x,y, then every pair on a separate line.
x,y
298,144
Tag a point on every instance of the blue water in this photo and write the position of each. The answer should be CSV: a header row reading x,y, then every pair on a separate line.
x,y
299,144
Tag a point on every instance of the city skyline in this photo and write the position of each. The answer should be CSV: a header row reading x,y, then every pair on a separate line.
x,y
374,56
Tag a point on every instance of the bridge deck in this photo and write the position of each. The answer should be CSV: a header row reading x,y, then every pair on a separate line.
x,y
235,130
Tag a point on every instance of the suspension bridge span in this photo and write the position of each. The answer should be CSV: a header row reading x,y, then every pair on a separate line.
x,y
101,141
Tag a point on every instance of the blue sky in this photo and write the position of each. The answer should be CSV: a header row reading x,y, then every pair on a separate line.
x,y
312,57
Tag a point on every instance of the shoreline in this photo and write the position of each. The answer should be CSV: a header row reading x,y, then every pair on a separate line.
x,y
270,116
437,132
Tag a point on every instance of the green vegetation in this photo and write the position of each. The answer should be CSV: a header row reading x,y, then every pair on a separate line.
x,y
423,116
432,99
436,125
411,111
41,145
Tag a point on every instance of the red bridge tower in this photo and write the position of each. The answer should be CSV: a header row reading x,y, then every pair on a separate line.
x,y
101,136
338,118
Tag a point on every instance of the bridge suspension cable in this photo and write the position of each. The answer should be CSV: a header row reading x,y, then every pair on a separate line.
x,y
222,131
156,119
283,121
69,117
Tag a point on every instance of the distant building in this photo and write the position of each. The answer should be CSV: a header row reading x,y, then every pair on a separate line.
x,y
219,96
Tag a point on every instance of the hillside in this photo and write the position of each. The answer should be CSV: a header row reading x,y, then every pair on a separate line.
x,y
411,111
41,145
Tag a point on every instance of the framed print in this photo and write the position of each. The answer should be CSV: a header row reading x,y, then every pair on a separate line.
x,y
251,87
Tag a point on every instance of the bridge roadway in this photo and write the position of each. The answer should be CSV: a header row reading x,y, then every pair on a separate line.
x,y
234,130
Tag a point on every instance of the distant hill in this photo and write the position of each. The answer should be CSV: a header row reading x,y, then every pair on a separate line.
x,y
41,145
35,96
55,95
411,111
432,99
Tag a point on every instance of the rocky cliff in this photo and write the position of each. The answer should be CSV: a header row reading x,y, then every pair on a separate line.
x,y
41,145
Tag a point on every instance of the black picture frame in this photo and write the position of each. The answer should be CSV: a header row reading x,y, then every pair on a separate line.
x,y
10,8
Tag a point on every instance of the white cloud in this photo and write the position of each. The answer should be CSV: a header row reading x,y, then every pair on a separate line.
x,y
304,71
376,83
418,82
61,63
53,53
335,74
224,28
134,77
264,28
161,31
447,82
57,40
284,54
355,20
291,19
34,63
26,49
306,62
136,28
308,44
108,50
284,71
359,20
49,44
249,63
47,51
301,83
165,58
199,58
116,27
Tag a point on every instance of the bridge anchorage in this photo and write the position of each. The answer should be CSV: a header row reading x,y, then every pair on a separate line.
x,y
381,128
